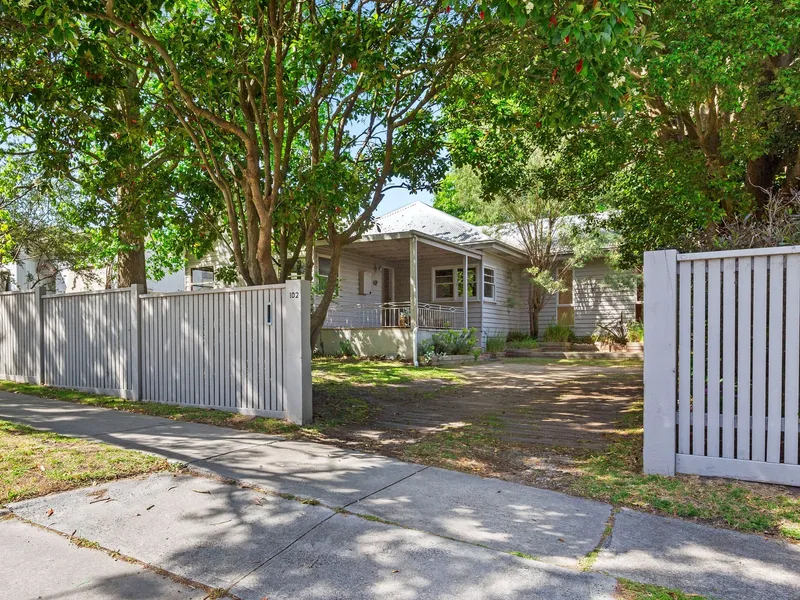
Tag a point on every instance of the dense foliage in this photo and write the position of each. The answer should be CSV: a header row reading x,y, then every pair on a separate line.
x,y
702,126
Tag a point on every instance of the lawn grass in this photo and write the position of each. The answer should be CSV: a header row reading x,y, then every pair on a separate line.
x,y
355,371
336,377
576,362
35,463
630,590
615,475
155,409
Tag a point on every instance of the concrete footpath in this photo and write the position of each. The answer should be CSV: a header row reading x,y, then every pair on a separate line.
x,y
340,524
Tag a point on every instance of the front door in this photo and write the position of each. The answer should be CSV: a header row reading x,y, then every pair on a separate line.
x,y
389,314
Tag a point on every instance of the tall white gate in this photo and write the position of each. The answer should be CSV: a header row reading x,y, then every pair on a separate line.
x,y
722,363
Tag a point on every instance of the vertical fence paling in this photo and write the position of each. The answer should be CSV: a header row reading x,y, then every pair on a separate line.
x,y
19,345
86,337
736,317
245,350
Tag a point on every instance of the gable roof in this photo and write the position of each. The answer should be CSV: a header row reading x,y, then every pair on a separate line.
x,y
418,216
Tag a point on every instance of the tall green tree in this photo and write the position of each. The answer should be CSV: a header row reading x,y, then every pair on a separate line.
x,y
701,126
82,112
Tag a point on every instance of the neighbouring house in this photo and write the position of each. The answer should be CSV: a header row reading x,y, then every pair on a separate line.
x,y
28,272
404,280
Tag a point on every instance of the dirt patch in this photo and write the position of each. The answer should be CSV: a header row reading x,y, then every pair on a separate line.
x,y
564,407
574,428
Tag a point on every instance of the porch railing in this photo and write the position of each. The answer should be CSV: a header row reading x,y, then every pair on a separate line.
x,y
394,314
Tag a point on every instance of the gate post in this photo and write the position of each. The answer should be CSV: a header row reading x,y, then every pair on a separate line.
x,y
297,351
38,295
660,360
136,341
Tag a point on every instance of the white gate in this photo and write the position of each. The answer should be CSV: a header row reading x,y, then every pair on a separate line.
x,y
722,363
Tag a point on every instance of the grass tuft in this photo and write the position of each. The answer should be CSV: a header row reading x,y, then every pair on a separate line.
x,y
630,590
35,463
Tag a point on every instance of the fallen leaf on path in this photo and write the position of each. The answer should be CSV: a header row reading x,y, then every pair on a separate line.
x,y
201,492
50,512
151,506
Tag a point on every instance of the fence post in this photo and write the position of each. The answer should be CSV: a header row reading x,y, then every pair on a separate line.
x,y
39,293
660,360
136,342
297,351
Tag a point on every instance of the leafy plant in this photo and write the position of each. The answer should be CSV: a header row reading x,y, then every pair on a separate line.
x,y
558,332
495,343
346,348
614,332
516,335
527,344
450,342
635,331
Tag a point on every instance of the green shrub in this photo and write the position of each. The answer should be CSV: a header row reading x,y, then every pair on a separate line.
x,y
635,331
517,335
450,342
558,332
495,343
526,344
346,348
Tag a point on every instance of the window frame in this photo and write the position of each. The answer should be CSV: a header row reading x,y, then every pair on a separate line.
x,y
493,284
200,286
454,270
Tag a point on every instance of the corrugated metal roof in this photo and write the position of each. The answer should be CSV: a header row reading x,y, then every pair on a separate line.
x,y
418,216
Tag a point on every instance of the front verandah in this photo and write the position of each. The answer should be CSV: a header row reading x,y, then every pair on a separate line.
x,y
398,289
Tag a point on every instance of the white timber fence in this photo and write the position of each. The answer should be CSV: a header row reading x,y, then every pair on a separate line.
x,y
722,364
243,350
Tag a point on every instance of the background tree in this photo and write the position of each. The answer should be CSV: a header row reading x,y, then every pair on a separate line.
x,y
699,128
31,226
82,113
538,213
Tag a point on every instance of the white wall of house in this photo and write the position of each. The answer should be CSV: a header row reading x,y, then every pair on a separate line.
x,y
24,276
595,300
509,309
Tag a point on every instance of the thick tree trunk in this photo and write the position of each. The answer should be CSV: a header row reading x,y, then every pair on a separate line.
x,y
761,174
131,264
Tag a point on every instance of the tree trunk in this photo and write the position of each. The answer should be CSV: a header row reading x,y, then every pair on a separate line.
x,y
534,322
761,173
321,310
131,263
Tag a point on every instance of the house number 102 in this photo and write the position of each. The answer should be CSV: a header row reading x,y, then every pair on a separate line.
x,y
294,294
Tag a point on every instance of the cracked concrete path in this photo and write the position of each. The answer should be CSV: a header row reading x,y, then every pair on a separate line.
x,y
37,564
456,535
257,545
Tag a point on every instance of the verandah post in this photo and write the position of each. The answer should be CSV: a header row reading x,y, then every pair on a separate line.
x,y
413,298
660,360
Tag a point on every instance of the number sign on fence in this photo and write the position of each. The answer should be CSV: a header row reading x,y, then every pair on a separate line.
x,y
722,364
245,349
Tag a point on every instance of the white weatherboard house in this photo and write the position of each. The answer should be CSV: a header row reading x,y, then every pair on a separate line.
x,y
407,274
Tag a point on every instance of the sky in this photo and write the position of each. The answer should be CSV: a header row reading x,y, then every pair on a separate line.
x,y
396,198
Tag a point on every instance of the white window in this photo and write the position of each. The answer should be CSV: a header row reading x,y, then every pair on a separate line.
x,y
488,283
323,270
448,283
203,278
444,284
